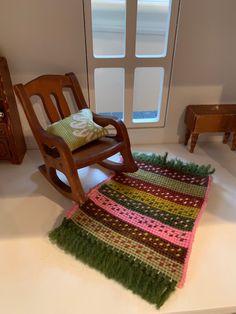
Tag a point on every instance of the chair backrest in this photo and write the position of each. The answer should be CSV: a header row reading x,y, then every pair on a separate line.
x,y
46,87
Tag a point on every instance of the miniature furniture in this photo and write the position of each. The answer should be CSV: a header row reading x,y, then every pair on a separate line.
x,y
55,151
12,143
210,118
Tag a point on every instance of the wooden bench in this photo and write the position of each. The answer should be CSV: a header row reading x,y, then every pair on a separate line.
x,y
210,118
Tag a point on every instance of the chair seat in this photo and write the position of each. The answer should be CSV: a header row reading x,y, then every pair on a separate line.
x,y
100,149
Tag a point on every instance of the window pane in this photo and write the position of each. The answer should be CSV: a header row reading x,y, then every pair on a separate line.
x,y
148,86
152,27
109,91
108,25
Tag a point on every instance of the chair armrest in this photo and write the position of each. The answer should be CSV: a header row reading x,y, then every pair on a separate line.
x,y
54,141
119,125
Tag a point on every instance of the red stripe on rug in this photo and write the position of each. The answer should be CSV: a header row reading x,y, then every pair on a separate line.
x,y
157,190
173,174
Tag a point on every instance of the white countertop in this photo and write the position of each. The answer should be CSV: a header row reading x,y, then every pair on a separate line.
x,y
37,277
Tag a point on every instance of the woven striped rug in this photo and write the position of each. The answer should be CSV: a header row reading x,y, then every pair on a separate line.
x,y
138,228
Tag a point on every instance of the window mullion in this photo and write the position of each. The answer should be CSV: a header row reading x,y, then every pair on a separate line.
x,y
131,16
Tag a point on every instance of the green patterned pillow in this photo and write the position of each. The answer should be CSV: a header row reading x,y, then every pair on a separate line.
x,y
78,129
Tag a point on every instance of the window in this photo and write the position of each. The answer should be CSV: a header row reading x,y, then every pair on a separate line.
x,y
108,25
129,52
109,79
152,30
147,101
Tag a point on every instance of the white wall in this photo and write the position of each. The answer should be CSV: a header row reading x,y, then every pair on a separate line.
x,y
42,37
204,64
47,36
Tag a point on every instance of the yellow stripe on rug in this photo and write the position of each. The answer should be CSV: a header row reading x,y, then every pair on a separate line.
x,y
154,201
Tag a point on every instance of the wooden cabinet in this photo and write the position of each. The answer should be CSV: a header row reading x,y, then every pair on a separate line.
x,y
12,143
210,118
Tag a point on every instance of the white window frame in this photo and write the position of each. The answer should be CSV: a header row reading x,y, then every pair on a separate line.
x,y
130,61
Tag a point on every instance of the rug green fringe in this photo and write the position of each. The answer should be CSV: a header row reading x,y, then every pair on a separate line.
x,y
150,285
188,168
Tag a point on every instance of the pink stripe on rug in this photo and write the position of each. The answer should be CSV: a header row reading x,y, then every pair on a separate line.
x,y
182,280
181,238
72,210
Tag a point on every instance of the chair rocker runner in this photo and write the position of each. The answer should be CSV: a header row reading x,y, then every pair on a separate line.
x,y
55,151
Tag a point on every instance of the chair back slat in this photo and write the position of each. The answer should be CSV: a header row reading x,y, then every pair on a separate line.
x,y
78,94
49,107
51,85
62,104
49,88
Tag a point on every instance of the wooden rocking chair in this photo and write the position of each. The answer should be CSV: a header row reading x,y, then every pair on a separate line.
x,y
55,152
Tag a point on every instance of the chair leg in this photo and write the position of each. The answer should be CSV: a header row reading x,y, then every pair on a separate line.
x,y
128,160
193,142
226,137
187,136
233,147
74,192
77,190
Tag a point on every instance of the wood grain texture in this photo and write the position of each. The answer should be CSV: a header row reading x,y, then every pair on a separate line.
x,y
208,119
54,150
11,133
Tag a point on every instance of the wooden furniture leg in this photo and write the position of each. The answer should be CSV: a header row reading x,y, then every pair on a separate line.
x,y
74,191
187,136
226,137
233,147
194,139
